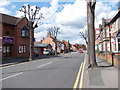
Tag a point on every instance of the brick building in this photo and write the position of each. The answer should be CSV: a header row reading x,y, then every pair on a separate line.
x,y
67,46
15,37
77,46
50,40
39,47
109,40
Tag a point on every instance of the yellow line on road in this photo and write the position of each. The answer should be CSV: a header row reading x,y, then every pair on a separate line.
x,y
77,78
81,79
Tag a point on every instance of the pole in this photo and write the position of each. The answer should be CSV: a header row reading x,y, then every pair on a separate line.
x,y
31,42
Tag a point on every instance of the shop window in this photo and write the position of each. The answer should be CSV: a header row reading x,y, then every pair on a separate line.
x,y
24,33
22,49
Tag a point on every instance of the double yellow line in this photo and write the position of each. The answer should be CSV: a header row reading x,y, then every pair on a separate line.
x,y
79,79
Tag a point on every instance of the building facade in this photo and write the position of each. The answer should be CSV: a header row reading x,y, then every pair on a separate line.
x,y
15,37
50,40
108,41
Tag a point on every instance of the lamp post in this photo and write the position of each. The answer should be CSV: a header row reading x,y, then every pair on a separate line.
x,y
33,16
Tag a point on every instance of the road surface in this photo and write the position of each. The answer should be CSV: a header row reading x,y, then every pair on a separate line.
x,y
55,72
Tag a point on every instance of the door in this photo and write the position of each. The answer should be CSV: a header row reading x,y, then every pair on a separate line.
x,y
6,50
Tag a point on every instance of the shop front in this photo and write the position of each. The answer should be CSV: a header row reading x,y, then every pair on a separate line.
x,y
8,43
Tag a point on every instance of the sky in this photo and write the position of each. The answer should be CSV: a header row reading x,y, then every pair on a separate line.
x,y
69,15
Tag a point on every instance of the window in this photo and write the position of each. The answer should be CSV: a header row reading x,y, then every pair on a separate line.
x,y
118,44
7,33
24,33
6,49
22,49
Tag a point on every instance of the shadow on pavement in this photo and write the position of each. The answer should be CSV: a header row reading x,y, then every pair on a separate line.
x,y
10,61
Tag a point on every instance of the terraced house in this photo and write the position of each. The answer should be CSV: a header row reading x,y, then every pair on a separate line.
x,y
14,37
108,43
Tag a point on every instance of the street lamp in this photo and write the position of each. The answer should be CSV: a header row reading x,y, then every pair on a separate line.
x,y
31,15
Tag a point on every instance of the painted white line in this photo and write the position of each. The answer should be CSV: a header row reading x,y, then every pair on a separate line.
x,y
44,64
11,76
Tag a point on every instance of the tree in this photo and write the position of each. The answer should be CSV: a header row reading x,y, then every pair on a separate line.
x,y
84,35
91,31
54,32
33,17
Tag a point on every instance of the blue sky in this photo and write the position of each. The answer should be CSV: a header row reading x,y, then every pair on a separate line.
x,y
69,15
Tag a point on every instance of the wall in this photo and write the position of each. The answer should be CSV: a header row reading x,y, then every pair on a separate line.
x,y
21,41
10,28
110,58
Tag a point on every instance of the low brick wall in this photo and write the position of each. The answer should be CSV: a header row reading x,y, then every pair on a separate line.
x,y
111,58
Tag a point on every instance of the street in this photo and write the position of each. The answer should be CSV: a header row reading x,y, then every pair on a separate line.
x,y
55,72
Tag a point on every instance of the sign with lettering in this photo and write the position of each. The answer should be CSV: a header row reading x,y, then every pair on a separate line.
x,y
8,40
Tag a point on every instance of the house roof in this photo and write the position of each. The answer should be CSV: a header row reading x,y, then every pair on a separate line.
x,y
7,19
41,45
115,18
65,42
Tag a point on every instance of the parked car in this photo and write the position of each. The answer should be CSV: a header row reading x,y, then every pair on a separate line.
x,y
47,51
80,51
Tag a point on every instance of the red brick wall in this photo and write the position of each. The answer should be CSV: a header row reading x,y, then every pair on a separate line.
x,y
21,41
49,40
11,30
108,57
15,31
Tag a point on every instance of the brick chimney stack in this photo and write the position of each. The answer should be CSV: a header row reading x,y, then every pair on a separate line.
x,y
118,8
48,35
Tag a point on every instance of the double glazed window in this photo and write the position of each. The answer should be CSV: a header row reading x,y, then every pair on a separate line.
x,y
22,49
24,33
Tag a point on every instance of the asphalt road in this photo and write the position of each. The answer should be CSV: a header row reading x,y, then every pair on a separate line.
x,y
56,72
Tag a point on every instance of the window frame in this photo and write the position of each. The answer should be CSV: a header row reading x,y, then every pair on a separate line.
x,y
22,49
24,33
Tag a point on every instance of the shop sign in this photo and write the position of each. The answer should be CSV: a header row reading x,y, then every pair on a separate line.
x,y
8,40
0,48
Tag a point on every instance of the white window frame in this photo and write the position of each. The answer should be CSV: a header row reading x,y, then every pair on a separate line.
x,y
22,49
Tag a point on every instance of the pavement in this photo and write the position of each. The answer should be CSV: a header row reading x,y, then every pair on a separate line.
x,y
105,76
54,72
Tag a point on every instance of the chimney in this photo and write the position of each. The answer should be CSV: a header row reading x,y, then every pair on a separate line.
x,y
43,38
48,35
118,8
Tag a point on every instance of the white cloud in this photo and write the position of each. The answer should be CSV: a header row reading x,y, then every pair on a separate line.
x,y
105,12
13,6
4,10
3,5
71,19
73,15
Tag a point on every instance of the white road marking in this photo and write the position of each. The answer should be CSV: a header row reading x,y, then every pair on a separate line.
x,y
44,64
11,76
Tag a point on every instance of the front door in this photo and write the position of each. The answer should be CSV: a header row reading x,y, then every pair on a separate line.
x,y
6,50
